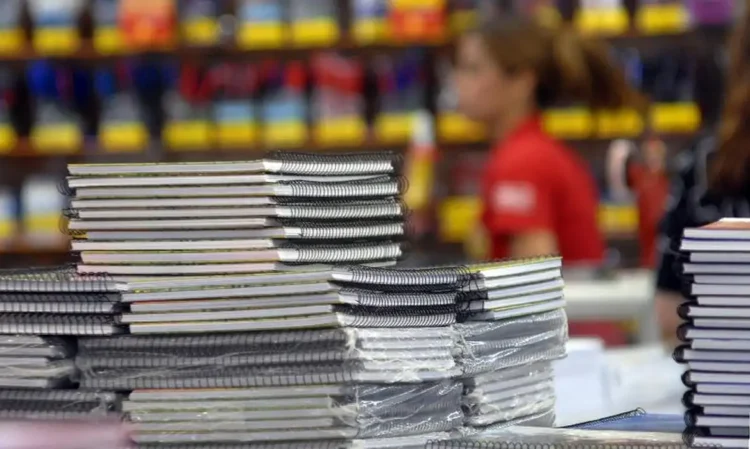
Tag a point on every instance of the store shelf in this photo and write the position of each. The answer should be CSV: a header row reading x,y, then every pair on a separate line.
x,y
87,52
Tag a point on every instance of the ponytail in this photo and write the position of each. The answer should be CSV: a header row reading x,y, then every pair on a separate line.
x,y
583,70
569,67
729,169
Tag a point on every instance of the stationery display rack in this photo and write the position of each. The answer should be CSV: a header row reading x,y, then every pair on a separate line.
x,y
109,81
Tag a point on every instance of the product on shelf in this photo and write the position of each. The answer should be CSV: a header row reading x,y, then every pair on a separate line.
x,y
8,216
187,108
11,30
401,93
338,109
7,99
56,126
603,17
108,37
425,21
662,16
370,21
56,25
669,81
314,23
712,12
199,22
41,206
149,24
284,108
235,104
122,122
261,24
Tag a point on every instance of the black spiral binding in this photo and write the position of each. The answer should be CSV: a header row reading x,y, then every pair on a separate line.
x,y
478,443
323,444
114,379
210,342
679,353
60,303
51,404
608,419
58,279
434,280
341,230
384,186
51,324
369,298
365,317
683,311
347,253
283,445
334,164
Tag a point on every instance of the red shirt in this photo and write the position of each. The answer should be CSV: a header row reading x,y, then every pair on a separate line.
x,y
651,189
532,183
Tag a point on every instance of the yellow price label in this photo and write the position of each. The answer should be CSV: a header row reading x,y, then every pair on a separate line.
x,y
675,117
394,128
315,32
622,123
458,217
188,135
618,218
662,18
56,40
291,133
123,137
236,135
455,128
417,4
569,122
42,223
8,228
262,35
201,31
109,40
603,21
341,131
11,41
57,139
8,139
371,31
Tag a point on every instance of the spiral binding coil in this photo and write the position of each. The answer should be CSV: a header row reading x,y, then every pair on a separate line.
x,y
345,210
346,253
385,186
320,164
60,303
608,419
369,298
436,316
495,444
682,330
210,342
50,324
435,280
341,230
58,279
282,445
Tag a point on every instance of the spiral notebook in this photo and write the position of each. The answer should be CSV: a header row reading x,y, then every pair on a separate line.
x,y
55,404
276,162
206,180
371,188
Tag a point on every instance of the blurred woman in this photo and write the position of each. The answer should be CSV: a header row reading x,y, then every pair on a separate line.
x,y
538,195
713,179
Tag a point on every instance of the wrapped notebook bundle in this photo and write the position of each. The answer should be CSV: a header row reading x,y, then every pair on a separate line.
x,y
263,311
716,333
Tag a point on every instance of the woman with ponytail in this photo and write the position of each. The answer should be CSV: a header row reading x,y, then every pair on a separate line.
x,y
713,179
538,195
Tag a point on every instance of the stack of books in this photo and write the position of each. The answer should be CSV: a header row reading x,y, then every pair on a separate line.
x,y
29,404
40,311
235,217
716,333
506,350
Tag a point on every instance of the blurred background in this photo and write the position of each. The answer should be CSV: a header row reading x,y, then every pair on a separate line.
x,y
182,80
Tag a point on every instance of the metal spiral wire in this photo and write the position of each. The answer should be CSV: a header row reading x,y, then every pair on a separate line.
x,y
380,187
348,254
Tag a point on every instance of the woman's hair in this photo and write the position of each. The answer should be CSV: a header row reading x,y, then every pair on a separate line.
x,y
569,67
729,168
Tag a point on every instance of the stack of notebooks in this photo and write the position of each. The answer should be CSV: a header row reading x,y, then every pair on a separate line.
x,y
716,333
29,361
275,214
506,352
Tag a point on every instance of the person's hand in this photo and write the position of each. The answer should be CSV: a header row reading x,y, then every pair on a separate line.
x,y
104,434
